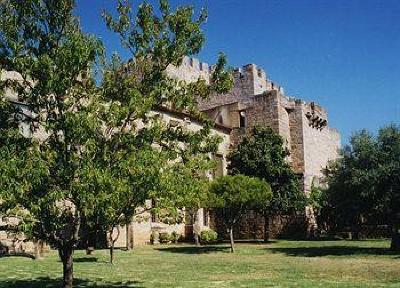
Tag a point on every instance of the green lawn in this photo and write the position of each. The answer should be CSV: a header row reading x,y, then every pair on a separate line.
x,y
278,264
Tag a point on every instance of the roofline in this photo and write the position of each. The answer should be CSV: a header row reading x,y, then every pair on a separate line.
x,y
182,115
174,112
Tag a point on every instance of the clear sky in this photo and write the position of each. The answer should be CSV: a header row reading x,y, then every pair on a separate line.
x,y
342,54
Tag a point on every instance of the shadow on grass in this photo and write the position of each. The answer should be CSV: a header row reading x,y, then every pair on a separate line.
x,y
332,251
26,255
85,260
252,241
46,282
194,249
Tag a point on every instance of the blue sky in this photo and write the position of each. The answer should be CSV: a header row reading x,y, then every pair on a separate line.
x,y
344,55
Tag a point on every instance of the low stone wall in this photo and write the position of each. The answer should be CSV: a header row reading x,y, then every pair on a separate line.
x,y
18,245
252,226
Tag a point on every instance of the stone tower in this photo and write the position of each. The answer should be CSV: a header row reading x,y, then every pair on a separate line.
x,y
256,100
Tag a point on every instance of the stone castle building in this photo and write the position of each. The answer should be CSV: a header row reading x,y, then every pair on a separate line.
x,y
254,100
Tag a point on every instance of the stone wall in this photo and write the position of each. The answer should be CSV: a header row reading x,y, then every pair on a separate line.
x,y
143,225
303,126
14,243
320,147
252,226
296,139
191,70
249,80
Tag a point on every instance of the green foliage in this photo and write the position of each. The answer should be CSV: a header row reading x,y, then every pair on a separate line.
x,y
157,39
175,237
316,198
263,155
208,236
364,183
51,58
238,193
165,237
153,237
95,151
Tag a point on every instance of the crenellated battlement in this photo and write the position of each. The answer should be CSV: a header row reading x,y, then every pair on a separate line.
x,y
197,66
250,78
191,70
249,81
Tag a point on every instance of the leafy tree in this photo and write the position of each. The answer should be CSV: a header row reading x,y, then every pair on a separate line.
x,y
387,177
343,205
50,59
364,184
236,195
156,41
91,153
262,154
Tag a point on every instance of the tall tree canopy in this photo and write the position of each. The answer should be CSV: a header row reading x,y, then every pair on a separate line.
x,y
236,195
364,184
262,154
91,151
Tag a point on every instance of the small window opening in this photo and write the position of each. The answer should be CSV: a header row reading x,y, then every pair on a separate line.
x,y
242,119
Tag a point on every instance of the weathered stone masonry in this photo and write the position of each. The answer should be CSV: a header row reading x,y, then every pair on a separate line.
x,y
255,100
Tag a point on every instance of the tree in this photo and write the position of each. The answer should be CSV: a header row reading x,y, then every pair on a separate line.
x,y
364,184
262,154
387,189
236,195
156,41
45,61
76,150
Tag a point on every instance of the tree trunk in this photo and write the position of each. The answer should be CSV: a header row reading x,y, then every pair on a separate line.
x,y
231,239
112,252
266,228
395,243
196,228
91,241
66,255
112,243
128,237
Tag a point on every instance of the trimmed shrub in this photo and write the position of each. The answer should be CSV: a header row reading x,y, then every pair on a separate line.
x,y
175,237
208,236
165,237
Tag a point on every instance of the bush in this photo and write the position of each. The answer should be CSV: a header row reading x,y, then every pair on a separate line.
x,y
3,249
152,237
175,237
208,236
165,237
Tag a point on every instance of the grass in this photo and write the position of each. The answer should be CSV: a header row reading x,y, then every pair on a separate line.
x,y
277,264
